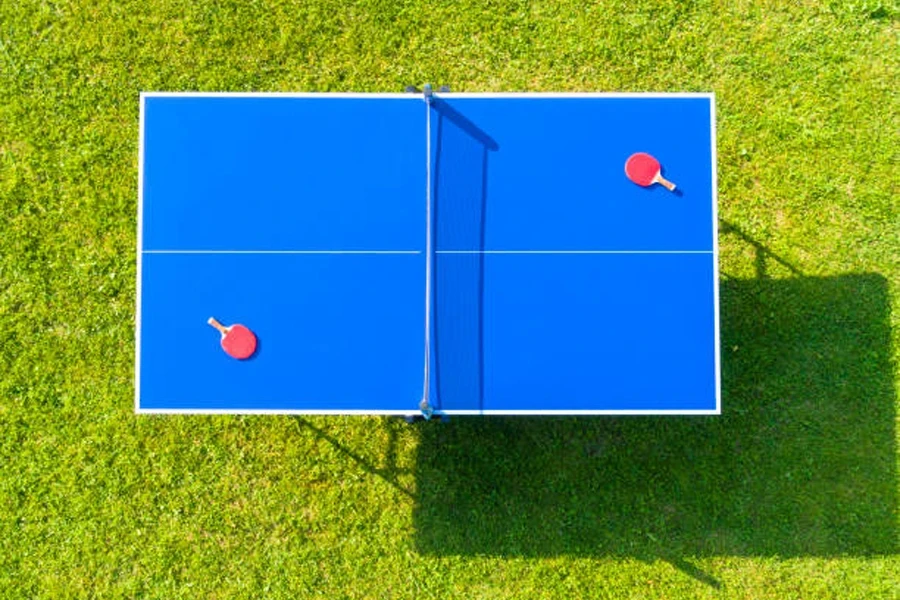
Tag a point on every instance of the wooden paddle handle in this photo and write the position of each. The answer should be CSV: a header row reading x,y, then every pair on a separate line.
x,y
222,329
669,185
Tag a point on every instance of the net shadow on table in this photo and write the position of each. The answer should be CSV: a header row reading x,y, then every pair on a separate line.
x,y
460,197
802,462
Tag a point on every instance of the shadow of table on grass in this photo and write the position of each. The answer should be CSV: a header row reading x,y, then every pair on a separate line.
x,y
801,462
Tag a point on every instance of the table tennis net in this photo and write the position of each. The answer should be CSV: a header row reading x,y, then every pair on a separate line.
x,y
456,166
425,404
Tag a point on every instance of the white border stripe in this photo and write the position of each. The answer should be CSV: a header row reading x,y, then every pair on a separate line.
x,y
574,252
323,95
579,412
282,252
420,252
715,237
139,253
286,411
409,96
413,413
575,95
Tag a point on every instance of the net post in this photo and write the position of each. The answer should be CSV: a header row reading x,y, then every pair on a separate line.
x,y
427,409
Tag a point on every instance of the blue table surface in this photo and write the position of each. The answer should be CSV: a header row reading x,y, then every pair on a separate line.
x,y
557,285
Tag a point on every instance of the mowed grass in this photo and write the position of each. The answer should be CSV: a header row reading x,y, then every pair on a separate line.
x,y
791,493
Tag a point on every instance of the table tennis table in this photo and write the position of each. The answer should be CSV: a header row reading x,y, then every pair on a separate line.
x,y
427,253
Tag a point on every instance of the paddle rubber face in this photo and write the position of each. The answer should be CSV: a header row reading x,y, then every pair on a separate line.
x,y
239,342
642,168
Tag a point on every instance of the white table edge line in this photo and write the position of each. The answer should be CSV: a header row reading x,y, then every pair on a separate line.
x,y
421,252
574,251
281,251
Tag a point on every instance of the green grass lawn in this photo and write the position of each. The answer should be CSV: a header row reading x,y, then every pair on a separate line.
x,y
791,493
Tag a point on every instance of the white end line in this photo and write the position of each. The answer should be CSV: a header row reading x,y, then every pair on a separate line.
x,y
715,240
140,245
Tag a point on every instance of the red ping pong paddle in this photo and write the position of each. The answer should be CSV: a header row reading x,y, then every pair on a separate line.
x,y
644,170
237,341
